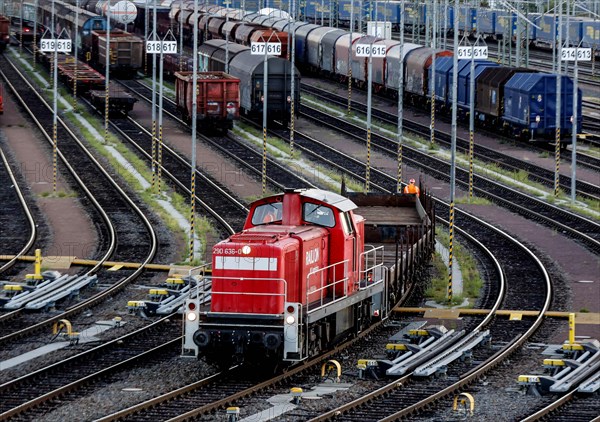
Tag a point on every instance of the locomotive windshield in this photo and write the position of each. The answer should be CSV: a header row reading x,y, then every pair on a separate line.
x,y
267,213
318,214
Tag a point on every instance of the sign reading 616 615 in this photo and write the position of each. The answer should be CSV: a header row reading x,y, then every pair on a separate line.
x,y
50,44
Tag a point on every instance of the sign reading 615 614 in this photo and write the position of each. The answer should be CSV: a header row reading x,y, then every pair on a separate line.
x,y
50,44
476,52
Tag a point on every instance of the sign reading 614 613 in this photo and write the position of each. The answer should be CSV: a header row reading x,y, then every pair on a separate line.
x,y
49,44
572,54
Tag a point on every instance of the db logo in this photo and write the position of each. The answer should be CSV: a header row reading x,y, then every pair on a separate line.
x,y
312,256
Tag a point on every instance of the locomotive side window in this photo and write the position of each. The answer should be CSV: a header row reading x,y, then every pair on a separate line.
x,y
267,213
318,214
347,223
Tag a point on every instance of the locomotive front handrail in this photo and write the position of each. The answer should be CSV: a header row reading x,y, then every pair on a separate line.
x,y
373,272
324,300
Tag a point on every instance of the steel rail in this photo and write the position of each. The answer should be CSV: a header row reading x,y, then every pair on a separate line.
x,y
33,228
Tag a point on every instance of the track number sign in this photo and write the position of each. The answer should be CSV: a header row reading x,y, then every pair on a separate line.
x,y
271,48
157,47
370,50
50,44
466,53
572,54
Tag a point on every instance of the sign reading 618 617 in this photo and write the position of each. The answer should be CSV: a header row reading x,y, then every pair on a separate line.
x,y
571,54
157,47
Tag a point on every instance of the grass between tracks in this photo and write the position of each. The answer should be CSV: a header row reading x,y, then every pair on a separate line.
x,y
517,179
472,283
325,177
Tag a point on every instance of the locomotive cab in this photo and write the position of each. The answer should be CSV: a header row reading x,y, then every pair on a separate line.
x,y
288,285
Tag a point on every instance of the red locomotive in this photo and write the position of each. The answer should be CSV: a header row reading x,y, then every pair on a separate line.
x,y
294,281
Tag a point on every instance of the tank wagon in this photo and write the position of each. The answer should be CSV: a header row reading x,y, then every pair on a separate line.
x,y
310,268
217,99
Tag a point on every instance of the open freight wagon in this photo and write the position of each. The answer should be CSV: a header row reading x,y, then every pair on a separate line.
x,y
217,101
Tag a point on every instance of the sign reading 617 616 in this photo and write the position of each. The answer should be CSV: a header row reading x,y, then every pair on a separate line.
x,y
270,48
49,44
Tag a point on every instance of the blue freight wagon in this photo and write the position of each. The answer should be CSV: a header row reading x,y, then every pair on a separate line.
x,y
486,23
528,96
590,36
463,97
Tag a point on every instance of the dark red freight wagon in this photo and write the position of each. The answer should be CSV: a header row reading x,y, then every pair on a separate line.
x,y
4,32
218,100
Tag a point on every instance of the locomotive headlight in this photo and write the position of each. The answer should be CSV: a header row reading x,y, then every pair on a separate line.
x,y
191,316
290,319
246,250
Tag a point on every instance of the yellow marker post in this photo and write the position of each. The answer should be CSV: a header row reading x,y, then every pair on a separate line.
x,y
571,328
37,268
296,393
233,414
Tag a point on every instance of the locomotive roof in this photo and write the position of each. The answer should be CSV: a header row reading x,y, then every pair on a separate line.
x,y
330,198
338,201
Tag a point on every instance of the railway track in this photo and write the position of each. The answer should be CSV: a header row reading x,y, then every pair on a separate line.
x,y
18,227
409,395
162,407
126,234
582,229
571,407
31,396
363,166
487,155
242,153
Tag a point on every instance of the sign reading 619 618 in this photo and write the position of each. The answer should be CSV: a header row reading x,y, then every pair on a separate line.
x,y
50,44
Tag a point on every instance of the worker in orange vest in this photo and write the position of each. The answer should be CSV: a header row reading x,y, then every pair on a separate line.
x,y
412,188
